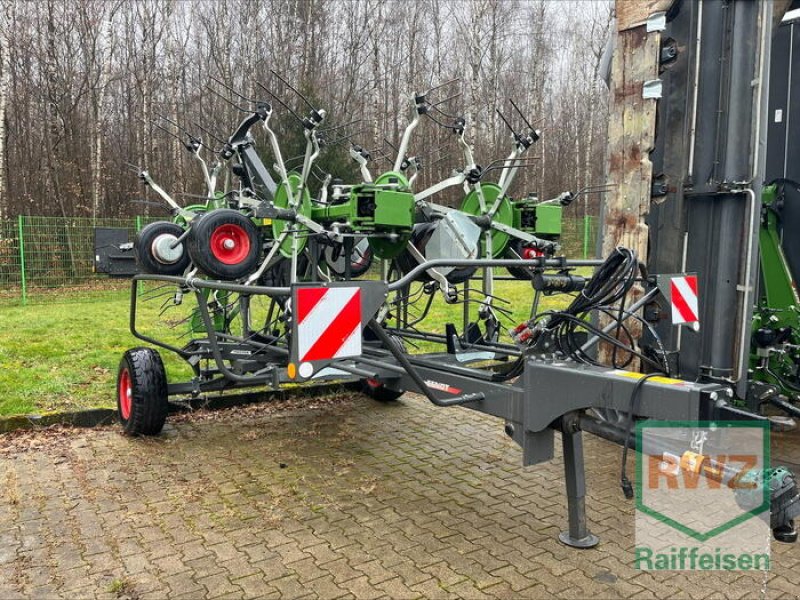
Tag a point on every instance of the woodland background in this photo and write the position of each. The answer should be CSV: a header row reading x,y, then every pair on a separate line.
x,y
82,81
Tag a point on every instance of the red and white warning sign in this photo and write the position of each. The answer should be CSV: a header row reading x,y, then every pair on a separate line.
x,y
683,297
328,324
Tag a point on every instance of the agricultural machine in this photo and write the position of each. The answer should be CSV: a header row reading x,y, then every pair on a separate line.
x,y
274,284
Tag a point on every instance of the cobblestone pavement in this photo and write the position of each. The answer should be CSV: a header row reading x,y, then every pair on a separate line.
x,y
344,498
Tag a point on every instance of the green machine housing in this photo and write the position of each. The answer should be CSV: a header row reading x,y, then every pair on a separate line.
x,y
542,219
371,207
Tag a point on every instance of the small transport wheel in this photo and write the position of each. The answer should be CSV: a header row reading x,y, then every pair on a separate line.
x,y
517,249
142,392
378,391
156,250
225,244
360,258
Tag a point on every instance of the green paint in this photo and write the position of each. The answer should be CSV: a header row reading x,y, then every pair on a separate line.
x,y
23,282
548,219
587,231
385,248
393,178
394,210
390,217
344,212
304,208
778,305
539,219
504,215
779,291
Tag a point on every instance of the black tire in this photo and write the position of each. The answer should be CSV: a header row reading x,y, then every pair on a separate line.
x,y
360,259
420,236
142,392
279,274
207,244
153,236
514,251
378,391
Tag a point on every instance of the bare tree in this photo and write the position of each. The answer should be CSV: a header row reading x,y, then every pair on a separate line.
x,y
5,18
81,82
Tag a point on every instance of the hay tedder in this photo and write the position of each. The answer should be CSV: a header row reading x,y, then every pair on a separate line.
x,y
281,281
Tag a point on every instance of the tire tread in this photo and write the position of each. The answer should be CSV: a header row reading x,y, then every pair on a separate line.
x,y
149,406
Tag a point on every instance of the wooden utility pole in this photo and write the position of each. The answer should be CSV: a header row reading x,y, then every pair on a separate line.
x,y
631,132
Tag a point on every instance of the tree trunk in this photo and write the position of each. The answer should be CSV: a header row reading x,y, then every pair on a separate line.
x,y
4,79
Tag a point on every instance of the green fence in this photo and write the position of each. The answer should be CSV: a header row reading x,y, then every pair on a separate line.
x,y
579,236
46,259
51,259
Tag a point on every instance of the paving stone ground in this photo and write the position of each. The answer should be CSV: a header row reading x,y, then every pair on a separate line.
x,y
345,498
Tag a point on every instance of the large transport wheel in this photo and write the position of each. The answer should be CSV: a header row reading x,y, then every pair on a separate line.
x,y
142,392
154,251
224,244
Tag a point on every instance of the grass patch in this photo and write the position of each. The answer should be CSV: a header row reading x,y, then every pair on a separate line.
x,y
64,356
61,357
122,588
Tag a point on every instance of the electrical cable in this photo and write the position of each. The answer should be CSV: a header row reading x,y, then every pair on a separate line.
x,y
624,482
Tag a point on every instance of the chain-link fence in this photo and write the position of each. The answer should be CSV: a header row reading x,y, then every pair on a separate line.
x,y
51,259
579,236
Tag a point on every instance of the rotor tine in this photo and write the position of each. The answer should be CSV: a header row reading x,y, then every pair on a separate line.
x,y
441,85
279,101
289,85
231,90
192,137
531,127
167,131
334,128
226,100
208,133
503,118
435,104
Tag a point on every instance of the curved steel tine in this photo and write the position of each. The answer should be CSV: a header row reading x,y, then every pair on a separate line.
x,y
289,85
521,115
227,100
233,91
208,133
279,101
335,127
503,118
440,86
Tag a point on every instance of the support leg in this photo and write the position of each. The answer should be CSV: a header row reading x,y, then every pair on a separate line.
x,y
578,535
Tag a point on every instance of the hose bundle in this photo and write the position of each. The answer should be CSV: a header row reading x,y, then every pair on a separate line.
x,y
605,293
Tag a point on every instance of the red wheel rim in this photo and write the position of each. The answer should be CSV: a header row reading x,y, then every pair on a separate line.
x,y
530,253
373,384
125,394
230,244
